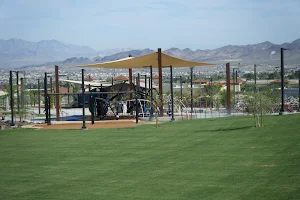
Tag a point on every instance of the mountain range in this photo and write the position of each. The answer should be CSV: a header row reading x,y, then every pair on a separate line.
x,y
16,52
265,52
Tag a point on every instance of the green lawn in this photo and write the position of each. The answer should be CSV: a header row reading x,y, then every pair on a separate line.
x,y
225,158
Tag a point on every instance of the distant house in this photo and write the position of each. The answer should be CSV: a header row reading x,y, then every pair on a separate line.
x,y
2,92
278,81
235,84
259,82
121,78
200,81
155,78
65,90
88,78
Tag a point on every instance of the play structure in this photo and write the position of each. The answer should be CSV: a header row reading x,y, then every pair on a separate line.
x,y
104,103
128,99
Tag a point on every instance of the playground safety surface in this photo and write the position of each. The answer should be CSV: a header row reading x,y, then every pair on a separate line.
x,y
78,125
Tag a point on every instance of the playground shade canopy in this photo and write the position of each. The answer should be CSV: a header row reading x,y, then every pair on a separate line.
x,y
146,61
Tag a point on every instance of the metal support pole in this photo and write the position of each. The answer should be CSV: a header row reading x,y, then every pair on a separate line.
x,y
12,123
151,91
282,80
68,91
233,80
34,93
49,109
136,100
172,94
138,81
138,84
51,90
131,88
89,81
228,88
46,98
83,99
181,95
39,96
92,101
192,96
51,86
236,82
149,84
18,95
161,103
210,93
146,83
255,78
181,88
22,98
200,84
57,106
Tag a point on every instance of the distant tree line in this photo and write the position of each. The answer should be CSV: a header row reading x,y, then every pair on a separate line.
x,y
269,75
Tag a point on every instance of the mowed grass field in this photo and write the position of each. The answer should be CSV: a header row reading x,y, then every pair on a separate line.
x,y
225,158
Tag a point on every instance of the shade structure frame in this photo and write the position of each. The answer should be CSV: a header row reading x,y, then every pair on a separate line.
x,y
157,60
172,94
146,61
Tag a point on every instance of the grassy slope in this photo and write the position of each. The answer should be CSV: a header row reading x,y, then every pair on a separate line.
x,y
223,158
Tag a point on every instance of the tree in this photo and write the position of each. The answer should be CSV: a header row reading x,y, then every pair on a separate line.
x,y
76,87
292,75
218,76
7,89
247,87
248,76
33,94
261,102
218,104
262,75
223,97
212,91
273,75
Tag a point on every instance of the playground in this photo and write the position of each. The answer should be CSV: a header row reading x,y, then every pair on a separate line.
x,y
220,158
135,98
121,100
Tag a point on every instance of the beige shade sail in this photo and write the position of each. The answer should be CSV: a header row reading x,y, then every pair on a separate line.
x,y
146,61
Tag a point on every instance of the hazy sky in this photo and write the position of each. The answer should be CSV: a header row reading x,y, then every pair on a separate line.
x,y
196,24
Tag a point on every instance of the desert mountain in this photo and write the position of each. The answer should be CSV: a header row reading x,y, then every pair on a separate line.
x,y
21,52
16,52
